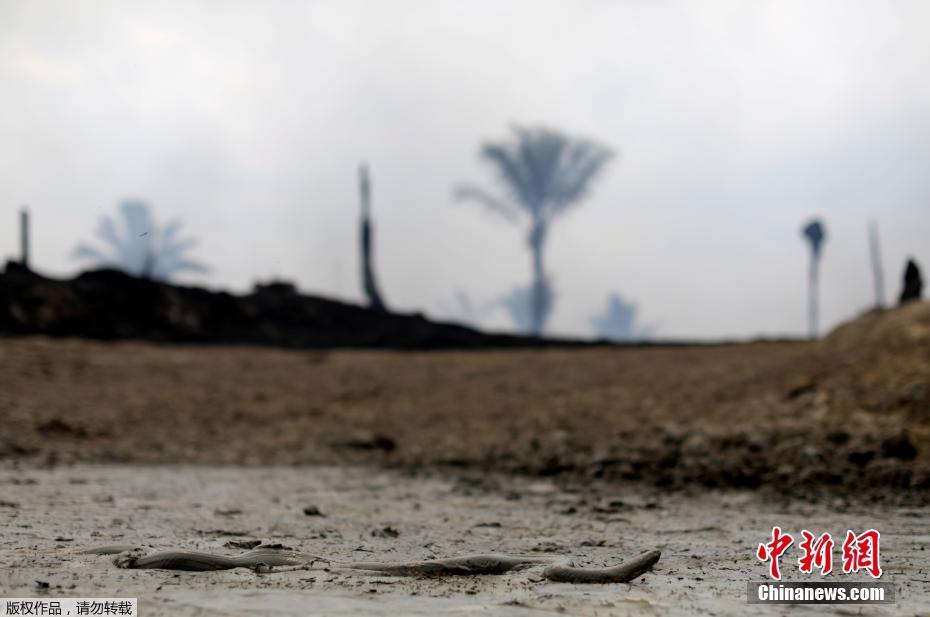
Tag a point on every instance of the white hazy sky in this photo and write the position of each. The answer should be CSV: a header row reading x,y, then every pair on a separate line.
x,y
734,123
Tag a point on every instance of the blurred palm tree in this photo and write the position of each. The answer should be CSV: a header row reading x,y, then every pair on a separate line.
x,y
815,233
618,321
140,247
519,304
544,173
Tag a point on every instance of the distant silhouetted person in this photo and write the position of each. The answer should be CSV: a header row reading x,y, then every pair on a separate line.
x,y
913,284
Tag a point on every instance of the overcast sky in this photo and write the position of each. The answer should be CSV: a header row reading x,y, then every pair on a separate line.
x,y
734,123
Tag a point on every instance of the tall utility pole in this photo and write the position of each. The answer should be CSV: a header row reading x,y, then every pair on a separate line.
x,y
875,253
369,285
24,237
813,308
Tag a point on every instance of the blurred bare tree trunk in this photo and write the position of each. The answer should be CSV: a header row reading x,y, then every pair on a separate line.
x,y
24,237
875,254
369,284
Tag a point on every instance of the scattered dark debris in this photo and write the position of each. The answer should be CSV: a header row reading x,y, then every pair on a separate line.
x,y
228,512
243,544
475,485
838,437
42,585
385,532
221,532
57,426
548,547
600,542
14,449
8,504
23,481
615,519
861,457
612,506
900,447
312,511
370,441
800,389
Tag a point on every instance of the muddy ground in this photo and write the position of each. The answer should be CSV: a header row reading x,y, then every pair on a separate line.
x,y
707,539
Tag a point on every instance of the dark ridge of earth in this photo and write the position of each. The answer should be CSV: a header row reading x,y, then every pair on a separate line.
x,y
112,305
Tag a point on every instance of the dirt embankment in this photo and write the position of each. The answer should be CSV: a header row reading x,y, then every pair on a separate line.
x,y
852,410
111,305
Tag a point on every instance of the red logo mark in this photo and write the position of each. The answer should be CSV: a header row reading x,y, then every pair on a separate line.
x,y
817,553
861,553
774,550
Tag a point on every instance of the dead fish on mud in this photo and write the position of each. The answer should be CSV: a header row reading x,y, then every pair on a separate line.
x,y
264,558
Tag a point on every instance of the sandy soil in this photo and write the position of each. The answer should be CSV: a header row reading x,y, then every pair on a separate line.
x,y
852,411
707,539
